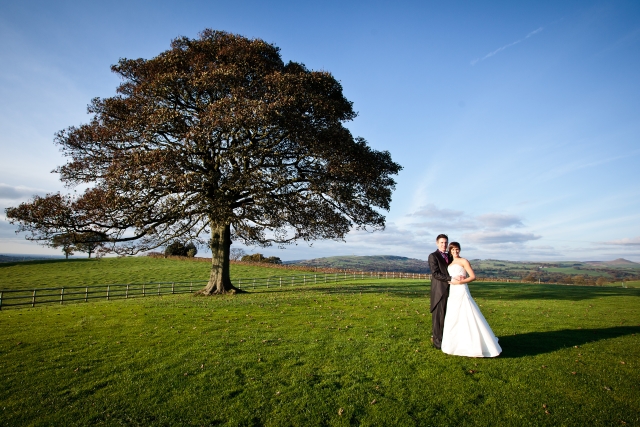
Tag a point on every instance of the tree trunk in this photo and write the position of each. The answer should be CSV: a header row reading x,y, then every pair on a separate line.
x,y
219,279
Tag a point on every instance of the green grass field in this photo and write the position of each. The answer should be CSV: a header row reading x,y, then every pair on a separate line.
x,y
349,354
87,272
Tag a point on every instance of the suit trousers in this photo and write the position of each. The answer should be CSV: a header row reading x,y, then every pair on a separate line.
x,y
437,321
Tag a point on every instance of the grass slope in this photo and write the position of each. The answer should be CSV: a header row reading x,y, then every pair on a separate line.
x,y
83,272
328,355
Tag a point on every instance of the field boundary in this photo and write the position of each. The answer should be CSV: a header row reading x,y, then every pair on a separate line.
x,y
67,294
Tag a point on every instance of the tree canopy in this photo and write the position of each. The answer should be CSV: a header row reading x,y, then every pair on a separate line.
x,y
216,137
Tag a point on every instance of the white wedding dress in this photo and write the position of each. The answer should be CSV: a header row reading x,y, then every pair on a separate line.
x,y
466,331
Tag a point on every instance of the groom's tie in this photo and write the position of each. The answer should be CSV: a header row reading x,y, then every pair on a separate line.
x,y
445,256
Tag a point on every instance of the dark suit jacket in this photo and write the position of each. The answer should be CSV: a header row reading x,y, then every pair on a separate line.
x,y
439,278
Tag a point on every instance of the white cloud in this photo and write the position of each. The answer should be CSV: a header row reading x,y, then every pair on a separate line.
x,y
16,193
431,211
635,241
495,220
495,237
451,220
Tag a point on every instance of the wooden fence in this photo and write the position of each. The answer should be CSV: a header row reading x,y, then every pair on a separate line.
x,y
68,294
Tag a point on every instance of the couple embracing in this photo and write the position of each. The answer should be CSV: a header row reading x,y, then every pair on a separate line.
x,y
459,328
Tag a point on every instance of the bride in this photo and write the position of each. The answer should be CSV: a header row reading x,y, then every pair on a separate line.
x,y
466,331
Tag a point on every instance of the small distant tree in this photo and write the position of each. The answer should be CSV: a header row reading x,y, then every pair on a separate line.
x,y
175,249
191,250
258,257
578,280
601,281
181,249
236,254
88,242
64,241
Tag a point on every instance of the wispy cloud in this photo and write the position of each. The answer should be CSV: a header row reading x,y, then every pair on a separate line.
x,y
449,219
494,220
500,49
10,192
635,241
496,237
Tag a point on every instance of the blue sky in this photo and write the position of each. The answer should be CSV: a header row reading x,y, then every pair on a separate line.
x,y
518,125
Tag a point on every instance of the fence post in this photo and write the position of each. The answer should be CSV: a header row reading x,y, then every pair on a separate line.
x,y
292,279
33,299
280,281
126,294
143,291
158,288
86,294
108,286
315,282
190,286
0,300
173,287
254,283
61,295
268,278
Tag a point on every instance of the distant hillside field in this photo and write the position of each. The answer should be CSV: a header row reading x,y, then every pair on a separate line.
x,y
390,263
83,272
550,272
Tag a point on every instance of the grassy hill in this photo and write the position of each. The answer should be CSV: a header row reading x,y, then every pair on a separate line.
x,y
87,272
620,262
350,354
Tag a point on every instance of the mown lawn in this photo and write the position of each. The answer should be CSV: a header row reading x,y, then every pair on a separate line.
x,y
347,354
87,272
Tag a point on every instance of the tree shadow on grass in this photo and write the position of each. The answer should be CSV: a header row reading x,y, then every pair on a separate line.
x,y
524,291
484,290
409,290
535,343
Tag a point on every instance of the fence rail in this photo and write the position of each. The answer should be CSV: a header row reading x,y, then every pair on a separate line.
x,y
68,294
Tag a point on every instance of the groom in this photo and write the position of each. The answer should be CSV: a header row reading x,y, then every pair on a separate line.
x,y
438,262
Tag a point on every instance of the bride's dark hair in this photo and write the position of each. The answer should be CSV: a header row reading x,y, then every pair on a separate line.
x,y
453,245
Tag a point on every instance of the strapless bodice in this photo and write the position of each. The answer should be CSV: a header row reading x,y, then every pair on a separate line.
x,y
456,270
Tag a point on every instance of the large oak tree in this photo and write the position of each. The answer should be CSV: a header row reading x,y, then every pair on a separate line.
x,y
215,138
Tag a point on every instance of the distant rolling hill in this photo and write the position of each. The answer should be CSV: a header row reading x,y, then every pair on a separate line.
x,y
620,262
545,271
24,257
369,263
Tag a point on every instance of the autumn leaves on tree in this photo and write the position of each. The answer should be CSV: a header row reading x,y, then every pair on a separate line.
x,y
214,140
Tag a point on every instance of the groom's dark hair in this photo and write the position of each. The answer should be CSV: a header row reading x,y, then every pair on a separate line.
x,y
442,236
